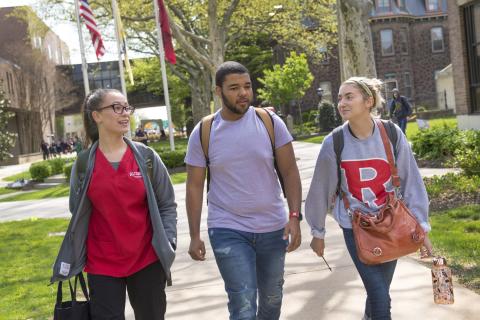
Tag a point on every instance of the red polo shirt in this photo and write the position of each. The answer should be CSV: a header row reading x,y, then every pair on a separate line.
x,y
119,241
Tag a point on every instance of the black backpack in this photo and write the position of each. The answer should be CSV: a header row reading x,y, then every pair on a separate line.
x,y
338,143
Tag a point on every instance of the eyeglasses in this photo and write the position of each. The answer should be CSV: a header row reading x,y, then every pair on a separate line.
x,y
118,108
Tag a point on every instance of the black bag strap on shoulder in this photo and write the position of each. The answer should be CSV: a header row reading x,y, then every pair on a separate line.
x,y
338,142
267,120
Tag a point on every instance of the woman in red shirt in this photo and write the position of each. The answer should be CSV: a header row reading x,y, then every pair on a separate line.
x,y
119,251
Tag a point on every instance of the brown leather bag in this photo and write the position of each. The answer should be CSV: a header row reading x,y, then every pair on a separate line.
x,y
391,233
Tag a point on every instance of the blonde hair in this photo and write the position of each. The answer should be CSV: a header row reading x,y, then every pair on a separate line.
x,y
370,87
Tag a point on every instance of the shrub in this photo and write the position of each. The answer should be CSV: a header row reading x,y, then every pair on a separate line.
x,y
328,117
437,142
56,165
437,185
173,159
468,156
40,171
67,170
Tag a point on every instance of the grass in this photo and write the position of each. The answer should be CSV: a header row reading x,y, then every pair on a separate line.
x,y
22,175
314,139
177,178
62,190
27,253
180,144
412,127
456,235
6,191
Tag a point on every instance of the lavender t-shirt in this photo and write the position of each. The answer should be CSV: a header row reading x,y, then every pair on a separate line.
x,y
244,190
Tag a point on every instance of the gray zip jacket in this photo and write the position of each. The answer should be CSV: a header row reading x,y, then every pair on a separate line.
x,y
161,204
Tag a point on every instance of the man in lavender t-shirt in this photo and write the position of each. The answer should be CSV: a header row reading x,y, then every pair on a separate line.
x,y
247,223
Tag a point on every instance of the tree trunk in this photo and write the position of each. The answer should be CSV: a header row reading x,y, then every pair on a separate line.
x,y
201,95
355,39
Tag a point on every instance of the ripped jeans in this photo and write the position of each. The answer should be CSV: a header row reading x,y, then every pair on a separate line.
x,y
247,262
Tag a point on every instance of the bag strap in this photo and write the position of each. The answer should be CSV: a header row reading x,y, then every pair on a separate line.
x,y
205,130
337,136
267,120
82,159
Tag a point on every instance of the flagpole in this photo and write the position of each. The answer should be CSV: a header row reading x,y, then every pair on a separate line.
x,y
164,74
119,47
82,50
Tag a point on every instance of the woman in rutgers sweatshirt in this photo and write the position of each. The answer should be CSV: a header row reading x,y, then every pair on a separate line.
x,y
366,181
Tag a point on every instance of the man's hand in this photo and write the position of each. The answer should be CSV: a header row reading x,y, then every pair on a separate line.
x,y
318,246
293,229
197,249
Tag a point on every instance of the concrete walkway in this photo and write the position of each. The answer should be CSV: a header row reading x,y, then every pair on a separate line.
x,y
311,290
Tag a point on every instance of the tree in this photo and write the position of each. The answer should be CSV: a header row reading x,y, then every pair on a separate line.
x,y
204,31
7,139
148,78
355,39
286,83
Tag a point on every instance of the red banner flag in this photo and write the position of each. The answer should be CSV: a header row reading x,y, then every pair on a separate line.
x,y
166,33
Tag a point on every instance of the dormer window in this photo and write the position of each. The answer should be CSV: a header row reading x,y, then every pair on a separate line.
x,y
432,5
383,6
401,4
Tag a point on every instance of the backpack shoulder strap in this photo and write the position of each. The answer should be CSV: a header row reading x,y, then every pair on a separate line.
x,y
267,120
338,143
82,159
392,135
205,130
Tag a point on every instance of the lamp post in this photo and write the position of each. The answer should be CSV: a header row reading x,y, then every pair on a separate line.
x,y
320,96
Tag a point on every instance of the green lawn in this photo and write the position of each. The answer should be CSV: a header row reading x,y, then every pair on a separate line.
x,y
456,235
412,128
180,144
6,191
27,253
177,178
62,190
25,175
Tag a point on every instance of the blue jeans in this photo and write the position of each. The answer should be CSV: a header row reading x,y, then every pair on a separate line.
x,y
247,262
376,280
402,123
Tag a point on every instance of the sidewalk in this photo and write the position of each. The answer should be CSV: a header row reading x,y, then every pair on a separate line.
x,y
311,291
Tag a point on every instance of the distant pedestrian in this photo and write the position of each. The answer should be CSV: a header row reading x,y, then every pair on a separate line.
x,y
123,227
45,151
248,226
365,183
400,110
141,135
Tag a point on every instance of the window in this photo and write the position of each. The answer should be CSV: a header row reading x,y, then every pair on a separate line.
x,y
401,4
407,82
9,83
324,59
403,35
327,91
432,5
383,6
437,39
386,40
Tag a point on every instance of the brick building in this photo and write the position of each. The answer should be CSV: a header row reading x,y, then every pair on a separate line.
x,y
410,43
464,20
28,55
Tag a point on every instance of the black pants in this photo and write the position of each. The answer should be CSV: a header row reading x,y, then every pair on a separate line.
x,y
146,291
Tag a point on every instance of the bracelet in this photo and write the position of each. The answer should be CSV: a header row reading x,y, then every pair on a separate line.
x,y
296,214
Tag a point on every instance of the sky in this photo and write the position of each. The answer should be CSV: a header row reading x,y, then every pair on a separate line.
x,y
67,31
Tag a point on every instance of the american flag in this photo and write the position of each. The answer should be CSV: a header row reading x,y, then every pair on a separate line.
x,y
87,15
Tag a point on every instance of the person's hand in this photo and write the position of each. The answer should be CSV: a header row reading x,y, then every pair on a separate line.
x,y
293,229
318,246
427,248
197,249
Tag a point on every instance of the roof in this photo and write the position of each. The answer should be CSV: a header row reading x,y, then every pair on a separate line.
x,y
416,8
